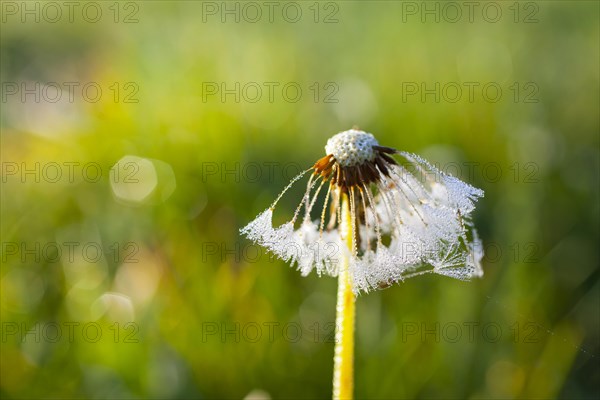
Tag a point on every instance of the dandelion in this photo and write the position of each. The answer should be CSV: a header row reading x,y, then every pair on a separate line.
x,y
383,216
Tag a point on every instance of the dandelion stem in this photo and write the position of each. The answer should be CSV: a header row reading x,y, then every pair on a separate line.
x,y
343,359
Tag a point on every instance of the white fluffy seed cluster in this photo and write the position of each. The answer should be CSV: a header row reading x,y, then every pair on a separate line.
x,y
352,147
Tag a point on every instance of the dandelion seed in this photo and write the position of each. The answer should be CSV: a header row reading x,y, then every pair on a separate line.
x,y
407,217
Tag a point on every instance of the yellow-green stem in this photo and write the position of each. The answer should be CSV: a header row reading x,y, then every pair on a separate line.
x,y
343,359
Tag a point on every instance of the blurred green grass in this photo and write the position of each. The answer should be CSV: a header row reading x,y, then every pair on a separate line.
x,y
193,272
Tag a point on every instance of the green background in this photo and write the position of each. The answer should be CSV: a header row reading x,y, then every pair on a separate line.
x,y
210,315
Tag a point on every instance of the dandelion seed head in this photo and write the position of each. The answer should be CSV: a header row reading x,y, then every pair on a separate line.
x,y
407,218
352,148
